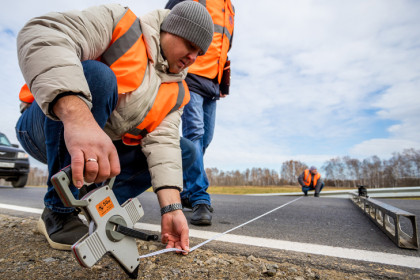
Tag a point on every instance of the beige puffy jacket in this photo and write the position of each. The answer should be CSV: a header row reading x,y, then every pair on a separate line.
x,y
50,51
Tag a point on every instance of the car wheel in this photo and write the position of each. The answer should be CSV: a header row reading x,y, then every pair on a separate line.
x,y
20,182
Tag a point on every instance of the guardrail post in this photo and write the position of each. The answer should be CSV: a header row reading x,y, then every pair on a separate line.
x,y
381,214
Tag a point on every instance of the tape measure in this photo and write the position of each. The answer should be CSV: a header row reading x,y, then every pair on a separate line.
x,y
217,235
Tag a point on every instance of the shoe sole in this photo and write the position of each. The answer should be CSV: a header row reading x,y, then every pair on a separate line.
x,y
201,222
58,246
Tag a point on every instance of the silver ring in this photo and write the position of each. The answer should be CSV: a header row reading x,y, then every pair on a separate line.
x,y
91,159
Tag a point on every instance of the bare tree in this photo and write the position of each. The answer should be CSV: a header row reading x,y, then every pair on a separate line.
x,y
402,169
290,171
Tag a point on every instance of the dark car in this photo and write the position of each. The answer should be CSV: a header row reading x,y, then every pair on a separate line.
x,y
14,163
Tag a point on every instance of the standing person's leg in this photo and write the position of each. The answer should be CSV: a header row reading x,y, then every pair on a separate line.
x,y
195,178
209,109
60,224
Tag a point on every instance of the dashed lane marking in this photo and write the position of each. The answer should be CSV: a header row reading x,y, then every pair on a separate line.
x,y
339,252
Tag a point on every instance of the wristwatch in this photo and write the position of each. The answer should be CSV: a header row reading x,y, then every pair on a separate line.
x,y
170,208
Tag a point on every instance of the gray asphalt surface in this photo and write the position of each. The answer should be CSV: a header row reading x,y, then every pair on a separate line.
x,y
323,221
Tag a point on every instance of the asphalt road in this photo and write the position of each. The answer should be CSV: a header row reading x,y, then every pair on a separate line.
x,y
323,221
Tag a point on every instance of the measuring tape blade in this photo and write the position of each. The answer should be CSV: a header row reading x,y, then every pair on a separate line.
x,y
217,235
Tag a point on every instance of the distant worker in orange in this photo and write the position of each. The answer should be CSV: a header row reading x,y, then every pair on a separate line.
x,y
310,180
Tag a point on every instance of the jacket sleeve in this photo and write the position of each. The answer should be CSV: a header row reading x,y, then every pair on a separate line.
x,y
162,150
300,180
51,48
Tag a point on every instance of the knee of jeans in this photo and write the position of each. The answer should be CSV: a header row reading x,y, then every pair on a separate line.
x,y
189,153
193,133
92,66
99,75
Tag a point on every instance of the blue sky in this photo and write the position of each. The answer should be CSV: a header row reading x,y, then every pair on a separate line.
x,y
311,80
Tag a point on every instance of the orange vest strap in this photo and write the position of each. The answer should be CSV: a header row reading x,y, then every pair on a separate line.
x,y
25,94
170,97
127,55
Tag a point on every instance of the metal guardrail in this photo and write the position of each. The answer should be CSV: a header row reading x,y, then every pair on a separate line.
x,y
388,219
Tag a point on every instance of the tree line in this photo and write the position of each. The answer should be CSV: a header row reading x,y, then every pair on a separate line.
x,y
402,169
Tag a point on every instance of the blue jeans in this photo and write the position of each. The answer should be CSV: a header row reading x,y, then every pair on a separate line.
x,y
305,189
198,126
43,139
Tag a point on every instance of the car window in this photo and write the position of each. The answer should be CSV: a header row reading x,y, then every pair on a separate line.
x,y
4,141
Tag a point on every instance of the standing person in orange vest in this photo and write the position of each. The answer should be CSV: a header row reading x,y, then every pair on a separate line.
x,y
310,180
208,80
108,95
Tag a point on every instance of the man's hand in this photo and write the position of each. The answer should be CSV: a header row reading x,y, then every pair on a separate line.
x,y
175,230
86,140
174,226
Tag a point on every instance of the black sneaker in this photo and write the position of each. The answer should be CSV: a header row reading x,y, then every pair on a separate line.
x,y
62,230
316,195
202,215
186,203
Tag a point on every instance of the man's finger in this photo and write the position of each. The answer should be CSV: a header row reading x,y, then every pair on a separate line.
x,y
165,238
91,169
104,170
185,241
178,246
77,165
171,244
114,163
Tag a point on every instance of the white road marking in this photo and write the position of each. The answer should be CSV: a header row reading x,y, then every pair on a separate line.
x,y
339,252
21,208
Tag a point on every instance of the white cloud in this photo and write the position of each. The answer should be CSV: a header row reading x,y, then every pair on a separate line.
x,y
311,79
316,70
383,148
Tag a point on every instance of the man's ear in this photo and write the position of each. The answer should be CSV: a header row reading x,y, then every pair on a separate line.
x,y
162,41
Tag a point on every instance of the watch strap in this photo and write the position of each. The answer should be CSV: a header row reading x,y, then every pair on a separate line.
x,y
170,208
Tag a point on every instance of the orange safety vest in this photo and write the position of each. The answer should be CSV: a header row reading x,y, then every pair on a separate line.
x,y
125,55
165,103
307,178
212,63
127,58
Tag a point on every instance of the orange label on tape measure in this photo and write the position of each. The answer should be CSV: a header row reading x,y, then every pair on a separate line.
x,y
104,206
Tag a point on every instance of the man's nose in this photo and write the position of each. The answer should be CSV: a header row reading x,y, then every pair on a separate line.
x,y
193,56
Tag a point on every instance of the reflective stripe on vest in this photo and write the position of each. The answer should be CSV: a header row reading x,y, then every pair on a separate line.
x,y
170,97
212,63
126,56
307,178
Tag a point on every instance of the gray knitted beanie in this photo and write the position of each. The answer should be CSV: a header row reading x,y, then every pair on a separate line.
x,y
191,21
